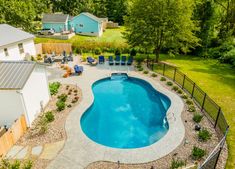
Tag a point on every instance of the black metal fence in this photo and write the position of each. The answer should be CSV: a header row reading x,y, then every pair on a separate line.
x,y
204,102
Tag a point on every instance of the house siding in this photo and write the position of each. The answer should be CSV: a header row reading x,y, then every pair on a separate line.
x,y
58,27
14,53
90,26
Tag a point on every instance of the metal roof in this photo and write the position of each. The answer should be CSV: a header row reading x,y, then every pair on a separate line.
x,y
14,74
92,16
10,34
55,18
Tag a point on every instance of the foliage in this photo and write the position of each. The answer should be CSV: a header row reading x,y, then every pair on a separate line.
x,y
169,83
198,153
191,108
197,117
146,72
177,163
189,102
98,51
184,96
154,24
133,52
62,97
140,69
179,91
16,164
154,75
49,116
117,52
175,88
139,59
204,135
163,79
42,125
60,105
54,87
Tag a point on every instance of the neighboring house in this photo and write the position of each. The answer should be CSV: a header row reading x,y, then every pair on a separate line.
x,y
87,24
15,44
58,22
23,90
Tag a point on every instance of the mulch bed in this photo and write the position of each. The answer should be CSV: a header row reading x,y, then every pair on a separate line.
x,y
182,152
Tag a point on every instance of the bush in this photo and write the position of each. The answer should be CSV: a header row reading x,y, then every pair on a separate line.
x,y
133,52
175,88
139,59
60,105
180,91
163,79
154,75
42,125
177,163
184,96
97,51
49,116
204,135
62,97
198,153
117,52
228,57
189,102
141,69
169,83
138,66
16,164
197,117
191,108
146,72
54,87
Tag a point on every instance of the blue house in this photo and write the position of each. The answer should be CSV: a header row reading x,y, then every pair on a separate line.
x,y
87,24
59,22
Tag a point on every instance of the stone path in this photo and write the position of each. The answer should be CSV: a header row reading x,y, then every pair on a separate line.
x,y
46,151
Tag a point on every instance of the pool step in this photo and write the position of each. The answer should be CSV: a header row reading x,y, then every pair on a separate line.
x,y
119,76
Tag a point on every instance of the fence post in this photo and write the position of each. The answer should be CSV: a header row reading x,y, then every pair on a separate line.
x,y
174,75
193,90
164,67
183,82
217,117
203,103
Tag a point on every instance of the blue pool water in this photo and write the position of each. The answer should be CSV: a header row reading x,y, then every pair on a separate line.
x,y
126,113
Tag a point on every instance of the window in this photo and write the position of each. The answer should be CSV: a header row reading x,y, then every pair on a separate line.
x,y
21,48
6,52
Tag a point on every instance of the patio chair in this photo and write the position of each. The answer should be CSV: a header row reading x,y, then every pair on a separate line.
x,y
123,61
130,60
78,69
91,60
117,60
110,60
101,59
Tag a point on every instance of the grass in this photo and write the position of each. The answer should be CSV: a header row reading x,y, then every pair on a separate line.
x,y
110,35
218,81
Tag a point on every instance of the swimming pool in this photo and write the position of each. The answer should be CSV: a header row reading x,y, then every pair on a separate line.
x,y
126,113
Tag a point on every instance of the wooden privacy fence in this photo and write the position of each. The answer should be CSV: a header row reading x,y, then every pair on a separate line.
x,y
12,135
58,48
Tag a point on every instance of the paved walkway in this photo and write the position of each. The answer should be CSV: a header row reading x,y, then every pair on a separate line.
x,y
46,151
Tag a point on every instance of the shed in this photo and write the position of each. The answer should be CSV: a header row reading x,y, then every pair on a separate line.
x,y
87,24
58,22
23,90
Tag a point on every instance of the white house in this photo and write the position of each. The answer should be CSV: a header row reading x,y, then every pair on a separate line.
x,y
23,90
15,44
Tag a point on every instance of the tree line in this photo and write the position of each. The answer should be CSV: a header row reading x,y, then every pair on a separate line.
x,y
197,27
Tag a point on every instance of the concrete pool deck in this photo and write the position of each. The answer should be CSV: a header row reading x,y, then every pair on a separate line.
x,y
79,151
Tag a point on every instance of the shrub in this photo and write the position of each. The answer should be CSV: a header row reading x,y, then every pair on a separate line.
x,y
146,72
184,96
163,79
139,59
117,52
28,165
49,116
60,105
154,75
133,52
189,102
175,88
7,164
197,117
198,153
97,51
54,87
69,105
204,135
42,125
141,69
138,66
177,163
62,97
169,83
180,91
191,108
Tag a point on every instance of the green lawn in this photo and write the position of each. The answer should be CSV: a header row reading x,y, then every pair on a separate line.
x,y
110,35
218,80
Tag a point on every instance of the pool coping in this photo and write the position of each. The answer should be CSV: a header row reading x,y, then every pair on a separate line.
x,y
79,150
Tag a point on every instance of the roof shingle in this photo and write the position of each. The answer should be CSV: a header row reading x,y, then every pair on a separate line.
x,y
55,18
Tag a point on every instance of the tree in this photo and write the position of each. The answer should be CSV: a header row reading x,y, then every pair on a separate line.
x,y
161,23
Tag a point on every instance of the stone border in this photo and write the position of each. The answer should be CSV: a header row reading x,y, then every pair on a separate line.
x,y
79,150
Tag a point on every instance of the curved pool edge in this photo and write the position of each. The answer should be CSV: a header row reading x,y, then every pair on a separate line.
x,y
80,151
